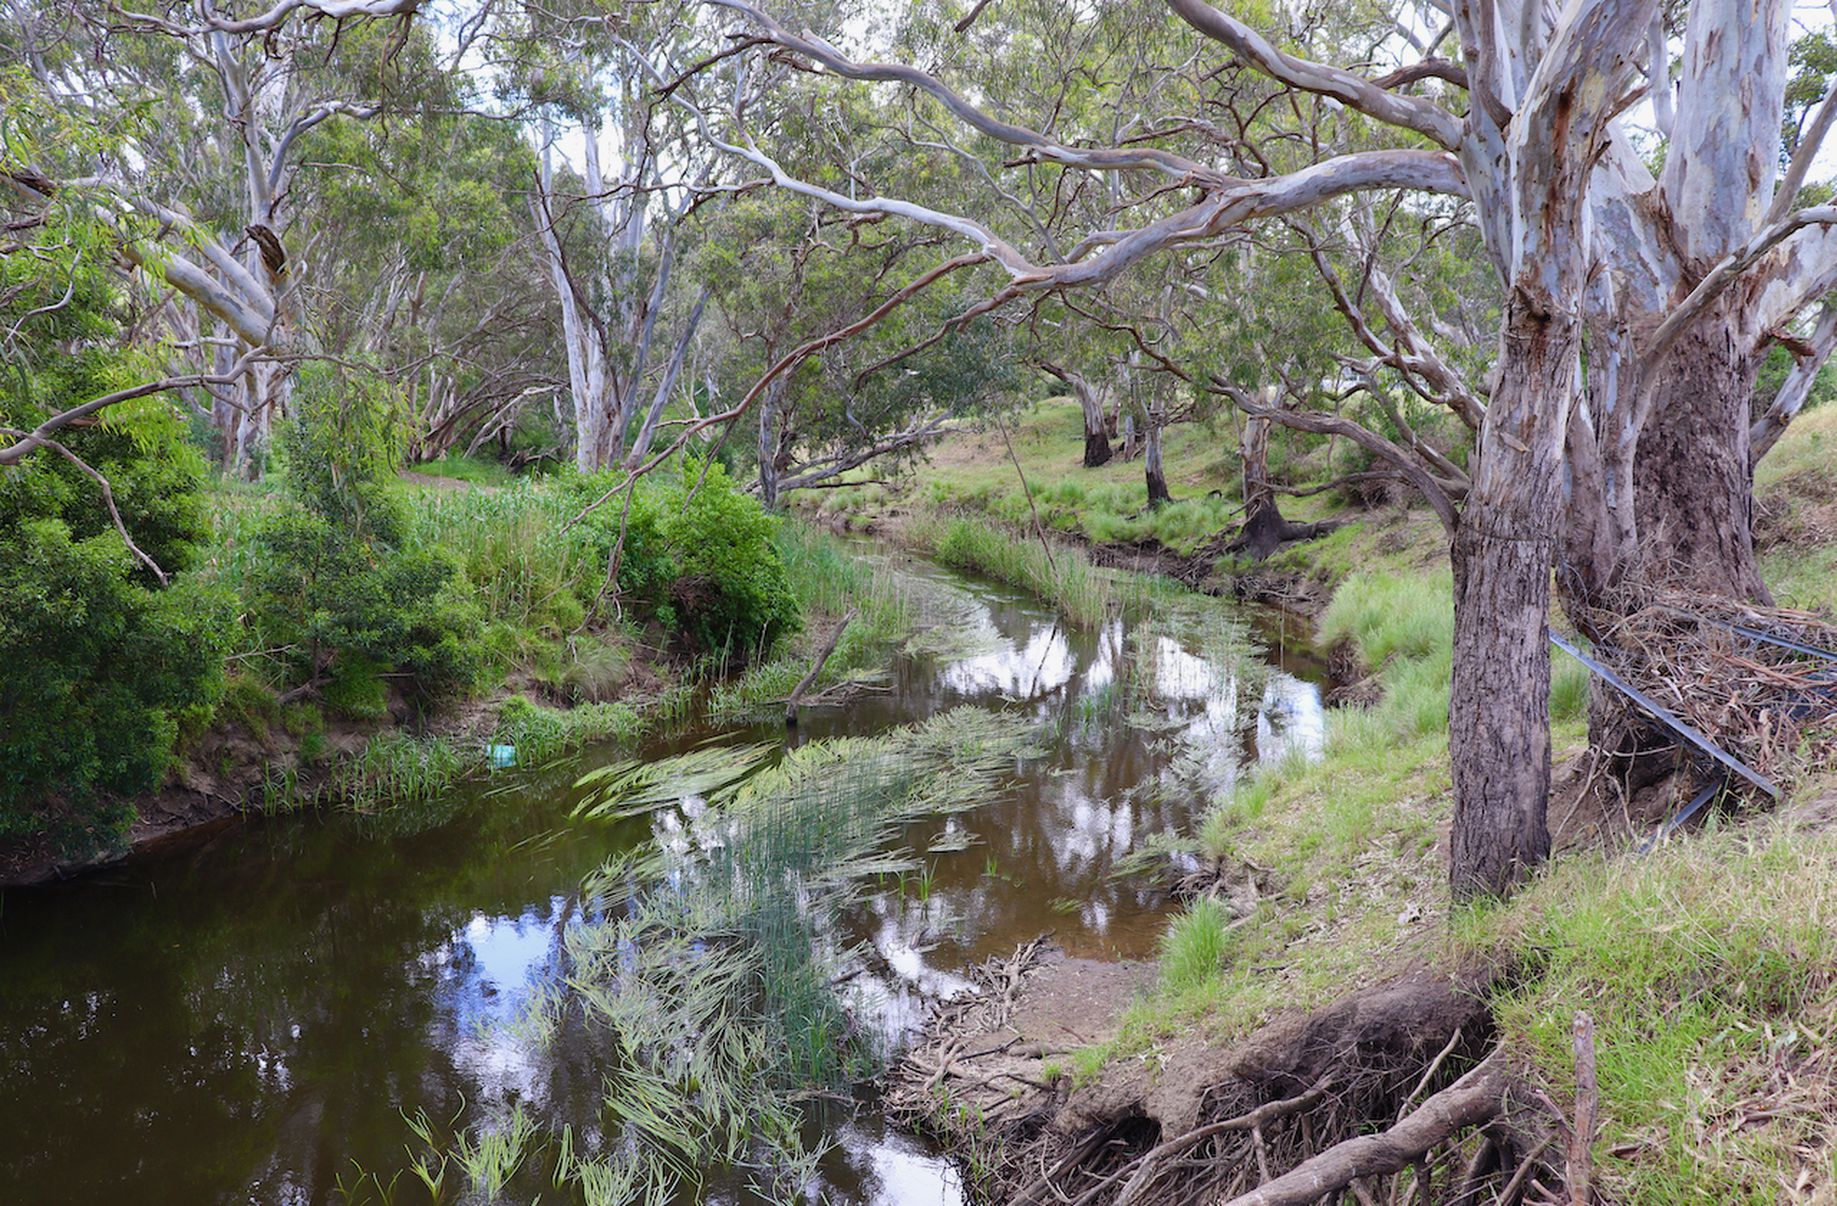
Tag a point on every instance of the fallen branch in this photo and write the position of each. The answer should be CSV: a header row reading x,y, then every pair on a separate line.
x,y
1477,1097
829,647
1579,1171
1149,1163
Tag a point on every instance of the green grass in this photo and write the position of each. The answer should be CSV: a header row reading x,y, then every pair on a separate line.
x,y
1710,968
1066,580
1796,489
827,581
476,470
1194,948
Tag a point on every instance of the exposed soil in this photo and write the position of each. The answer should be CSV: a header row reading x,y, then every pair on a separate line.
x,y
981,1080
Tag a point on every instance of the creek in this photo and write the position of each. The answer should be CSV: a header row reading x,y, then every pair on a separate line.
x,y
253,1014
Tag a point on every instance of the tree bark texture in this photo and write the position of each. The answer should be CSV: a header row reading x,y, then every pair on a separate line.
x,y
1692,479
1498,724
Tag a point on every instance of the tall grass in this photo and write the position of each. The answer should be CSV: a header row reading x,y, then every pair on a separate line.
x,y
828,581
520,568
1080,592
1402,626
1710,968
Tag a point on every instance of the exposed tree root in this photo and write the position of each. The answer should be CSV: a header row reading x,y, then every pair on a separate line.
x,y
1387,1096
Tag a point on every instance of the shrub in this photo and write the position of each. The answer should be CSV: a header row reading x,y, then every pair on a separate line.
x,y
99,670
698,553
338,580
103,665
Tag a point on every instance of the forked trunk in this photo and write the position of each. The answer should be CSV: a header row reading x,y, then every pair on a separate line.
x,y
1499,722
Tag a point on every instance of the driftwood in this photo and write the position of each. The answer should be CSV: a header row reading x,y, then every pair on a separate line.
x,y
1477,1098
816,668
1579,1171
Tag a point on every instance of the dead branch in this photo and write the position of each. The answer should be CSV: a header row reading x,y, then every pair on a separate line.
x,y
1476,1098
816,667
1579,1171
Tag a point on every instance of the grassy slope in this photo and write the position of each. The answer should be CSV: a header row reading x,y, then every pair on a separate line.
x,y
1710,967
1107,504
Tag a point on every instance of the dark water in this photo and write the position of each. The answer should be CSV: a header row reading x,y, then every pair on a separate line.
x,y
248,1016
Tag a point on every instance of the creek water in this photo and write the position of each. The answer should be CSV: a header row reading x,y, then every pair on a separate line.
x,y
252,1014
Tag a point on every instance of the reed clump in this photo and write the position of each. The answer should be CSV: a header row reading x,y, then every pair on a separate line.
x,y
712,963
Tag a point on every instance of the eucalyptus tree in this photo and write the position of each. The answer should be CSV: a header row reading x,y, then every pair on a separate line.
x,y
211,106
613,229
781,272
436,281
1672,282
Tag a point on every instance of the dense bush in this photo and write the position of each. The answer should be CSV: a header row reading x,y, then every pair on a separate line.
x,y
102,663
699,553
338,581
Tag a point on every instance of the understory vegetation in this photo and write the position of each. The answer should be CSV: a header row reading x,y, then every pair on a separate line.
x,y
335,596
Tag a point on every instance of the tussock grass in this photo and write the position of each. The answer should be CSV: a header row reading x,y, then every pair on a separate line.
x,y
1710,968
1078,590
1194,948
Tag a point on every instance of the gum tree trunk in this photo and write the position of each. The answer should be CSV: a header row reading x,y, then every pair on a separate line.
x,y
1151,460
1096,435
1498,724
1692,481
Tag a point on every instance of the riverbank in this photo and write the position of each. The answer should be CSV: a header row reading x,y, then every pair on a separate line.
x,y
1319,976
555,691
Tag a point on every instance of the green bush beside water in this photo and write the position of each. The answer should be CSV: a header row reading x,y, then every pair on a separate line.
x,y
334,576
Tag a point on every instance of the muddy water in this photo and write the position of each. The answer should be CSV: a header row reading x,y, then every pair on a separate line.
x,y
248,1016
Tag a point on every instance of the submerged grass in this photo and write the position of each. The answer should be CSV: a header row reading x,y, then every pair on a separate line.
x,y
713,964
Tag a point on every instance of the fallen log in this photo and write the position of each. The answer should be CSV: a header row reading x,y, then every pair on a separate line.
x,y
1476,1098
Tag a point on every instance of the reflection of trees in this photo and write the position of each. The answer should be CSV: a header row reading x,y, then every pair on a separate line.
x,y
276,995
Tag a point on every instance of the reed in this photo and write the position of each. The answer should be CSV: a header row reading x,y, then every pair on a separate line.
x,y
712,964
1065,578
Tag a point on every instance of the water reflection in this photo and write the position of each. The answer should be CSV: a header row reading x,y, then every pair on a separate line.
x,y
245,1017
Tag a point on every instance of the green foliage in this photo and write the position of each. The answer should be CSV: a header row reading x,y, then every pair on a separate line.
x,y
339,582
99,670
103,664
699,553
1065,578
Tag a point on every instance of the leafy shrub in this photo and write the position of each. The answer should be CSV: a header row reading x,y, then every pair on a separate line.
x,y
699,553
99,670
103,665
338,581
